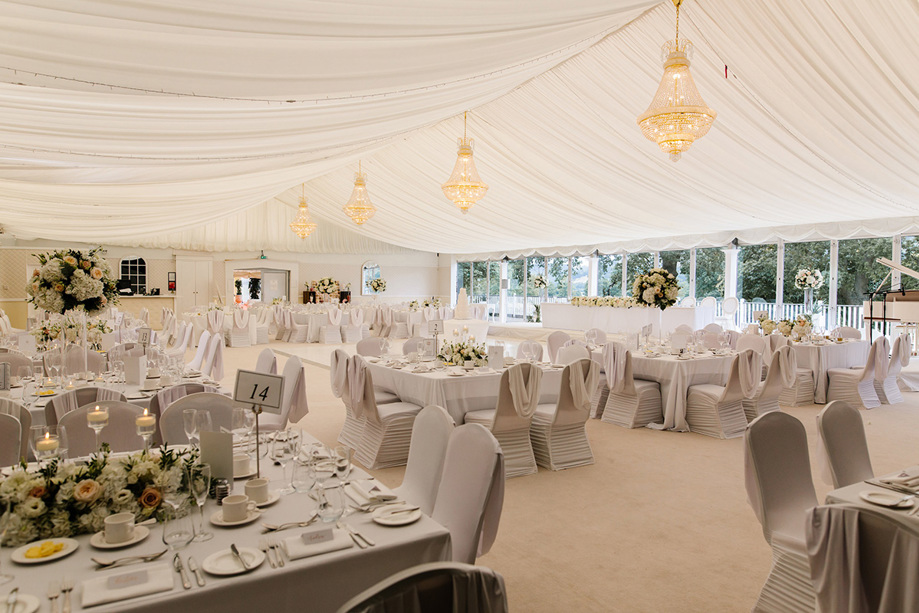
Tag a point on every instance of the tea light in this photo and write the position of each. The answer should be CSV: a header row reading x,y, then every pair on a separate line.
x,y
455,332
47,444
465,328
145,421
97,415
70,385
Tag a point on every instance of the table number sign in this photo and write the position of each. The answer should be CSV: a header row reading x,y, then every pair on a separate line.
x,y
143,336
258,388
646,330
436,326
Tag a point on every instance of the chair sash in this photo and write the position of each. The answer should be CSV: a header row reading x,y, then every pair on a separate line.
x,y
335,317
241,318
615,360
750,372
878,360
525,393
356,377
339,372
582,385
298,403
429,313
357,317
788,365
66,403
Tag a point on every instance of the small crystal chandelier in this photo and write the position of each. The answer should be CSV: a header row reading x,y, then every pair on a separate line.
x,y
301,225
464,187
677,116
359,207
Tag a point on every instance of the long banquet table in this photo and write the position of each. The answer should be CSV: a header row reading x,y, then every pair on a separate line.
x,y
317,584
821,358
457,394
616,319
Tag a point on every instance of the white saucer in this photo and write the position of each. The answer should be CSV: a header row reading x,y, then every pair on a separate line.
x,y
224,563
891,500
19,555
383,515
273,497
251,473
25,603
98,539
217,519
151,389
456,374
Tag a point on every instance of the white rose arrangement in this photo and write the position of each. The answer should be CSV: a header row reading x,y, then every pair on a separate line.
x,y
377,285
657,288
539,282
458,352
72,279
808,278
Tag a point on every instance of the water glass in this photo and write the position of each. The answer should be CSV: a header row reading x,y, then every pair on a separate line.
x,y
177,529
331,503
302,478
342,458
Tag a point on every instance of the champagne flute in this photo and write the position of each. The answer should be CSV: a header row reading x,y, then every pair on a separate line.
x,y
190,421
204,423
199,484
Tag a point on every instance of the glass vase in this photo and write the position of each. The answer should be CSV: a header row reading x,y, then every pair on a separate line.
x,y
808,300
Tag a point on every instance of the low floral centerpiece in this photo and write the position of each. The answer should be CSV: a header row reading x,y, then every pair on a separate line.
x,y
431,302
610,301
94,331
45,332
377,285
64,499
657,288
458,352
413,305
72,279
767,325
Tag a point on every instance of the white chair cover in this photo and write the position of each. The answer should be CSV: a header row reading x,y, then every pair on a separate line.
x,y
471,492
888,390
74,399
120,433
172,423
215,321
357,317
427,451
572,353
372,347
338,372
335,316
294,406
21,413
10,440
411,345
713,328
555,342
267,362
615,360
845,332
198,361
16,360
213,363
536,346
357,371
525,392
842,450
582,384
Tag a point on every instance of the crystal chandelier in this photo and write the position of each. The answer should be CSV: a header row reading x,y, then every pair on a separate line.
x,y
464,187
359,207
677,116
301,225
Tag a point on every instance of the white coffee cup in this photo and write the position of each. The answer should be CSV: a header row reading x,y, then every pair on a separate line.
x,y
149,384
240,464
119,528
257,489
236,507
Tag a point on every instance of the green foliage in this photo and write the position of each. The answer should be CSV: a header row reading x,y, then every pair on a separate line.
x,y
609,273
756,272
637,265
806,255
239,286
859,272
709,272
677,264
255,288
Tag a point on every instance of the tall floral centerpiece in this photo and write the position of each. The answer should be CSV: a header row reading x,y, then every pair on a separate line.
x,y
326,288
377,285
657,288
809,279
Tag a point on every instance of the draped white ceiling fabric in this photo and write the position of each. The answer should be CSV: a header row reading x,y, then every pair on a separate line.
x,y
193,125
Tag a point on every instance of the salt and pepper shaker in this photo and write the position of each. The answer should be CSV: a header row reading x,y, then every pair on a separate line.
x,y
221,489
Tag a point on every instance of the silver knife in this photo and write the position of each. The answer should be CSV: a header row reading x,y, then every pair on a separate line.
x,y
11,600
238,557
199,576
177,562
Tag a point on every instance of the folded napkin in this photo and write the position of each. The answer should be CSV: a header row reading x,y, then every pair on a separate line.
x,y
422,368
908,477
366,491
101,590
296,548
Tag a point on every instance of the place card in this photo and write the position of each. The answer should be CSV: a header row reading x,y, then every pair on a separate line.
x,y
319,534
127,580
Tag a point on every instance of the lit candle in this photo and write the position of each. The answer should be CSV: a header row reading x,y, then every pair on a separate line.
x,y
455,332
70,385
465,328
471,339
47,444
146,420
97,415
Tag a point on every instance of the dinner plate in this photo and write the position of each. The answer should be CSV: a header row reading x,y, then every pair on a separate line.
x,y
217,519
46,394
251,473
385,515
273,497
19,555
98,539
151,389
25,603
224,563
456,374
894,501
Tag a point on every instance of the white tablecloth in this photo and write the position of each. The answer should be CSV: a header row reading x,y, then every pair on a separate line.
x,y
675,377
316,321
321,583
821,358
458,395
613,319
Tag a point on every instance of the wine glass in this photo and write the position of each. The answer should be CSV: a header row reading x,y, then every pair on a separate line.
x,y
177,529
342,457
321,464
4,526
204,422
282,451
240,426
199,484
331,503
190,421
97,419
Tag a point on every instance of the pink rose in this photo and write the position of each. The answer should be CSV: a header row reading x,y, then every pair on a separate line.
x,y
87,491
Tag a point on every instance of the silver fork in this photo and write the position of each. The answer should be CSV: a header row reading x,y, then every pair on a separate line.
x,y
66,587
54,590
263,545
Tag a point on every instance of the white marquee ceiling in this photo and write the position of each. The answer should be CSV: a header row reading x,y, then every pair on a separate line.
x,y
816,120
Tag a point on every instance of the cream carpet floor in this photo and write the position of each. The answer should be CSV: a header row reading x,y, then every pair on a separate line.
x,y
659,523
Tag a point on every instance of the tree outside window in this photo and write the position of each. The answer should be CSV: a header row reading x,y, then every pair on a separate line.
x,y
637,264
677,263
463,276
709,273
579,274
756,272
558,278
609,275
859,272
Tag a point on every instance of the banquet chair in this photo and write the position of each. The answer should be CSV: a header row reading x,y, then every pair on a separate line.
x,y
711,340
846,332
58,406
688,301
10,440
856,386
354,331
558,432
353,425
713,329
597,336
263,326
399,325
729,308
172,422
200,353
802,392
216,321
509,421
572,353
299,333
386,321
178,350
294,406
861,559
412,345
427,450
537,347
445,587
842,445
16,360
683,329
631,402
780,490
782,372
888,390
144,316
280,320
387,432
213,360
21,413
330,334
179,332
471,492
165,397
371,346
718,411
758,344
120,433
555,342
267,362
238,334
74,361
